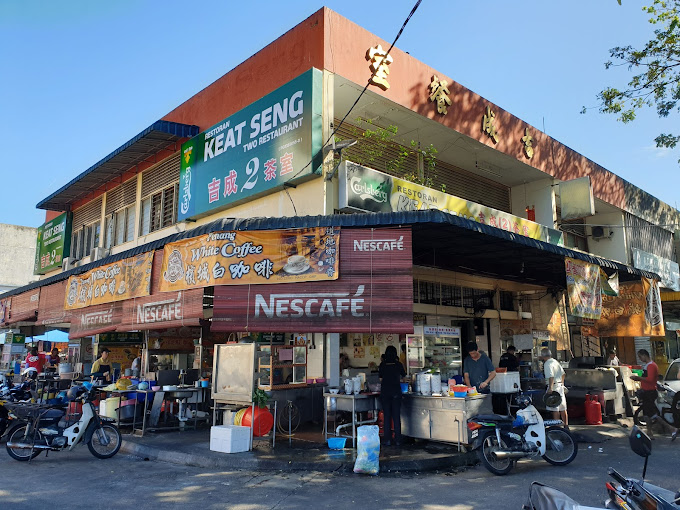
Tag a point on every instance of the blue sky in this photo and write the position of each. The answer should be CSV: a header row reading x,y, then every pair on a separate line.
x,y
80,78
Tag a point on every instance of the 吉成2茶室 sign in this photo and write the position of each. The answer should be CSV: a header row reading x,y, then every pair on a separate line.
x,y
54,240
254,151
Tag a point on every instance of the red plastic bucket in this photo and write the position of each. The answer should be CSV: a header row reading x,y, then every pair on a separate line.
x,y
263,422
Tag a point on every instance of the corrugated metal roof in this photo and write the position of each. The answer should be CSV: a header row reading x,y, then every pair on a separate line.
x,y
439,239
136,150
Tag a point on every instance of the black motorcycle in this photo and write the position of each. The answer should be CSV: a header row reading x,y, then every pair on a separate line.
x,y
8,397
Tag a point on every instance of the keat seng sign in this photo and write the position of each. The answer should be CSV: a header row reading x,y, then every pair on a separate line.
x,y
254,151
374,292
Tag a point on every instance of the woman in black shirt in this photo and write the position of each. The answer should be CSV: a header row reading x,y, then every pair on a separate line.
x,y
391,371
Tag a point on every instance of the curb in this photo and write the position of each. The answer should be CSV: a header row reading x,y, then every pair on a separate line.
x,y
435,463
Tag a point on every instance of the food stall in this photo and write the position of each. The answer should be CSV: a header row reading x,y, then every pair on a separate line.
x,y
435,347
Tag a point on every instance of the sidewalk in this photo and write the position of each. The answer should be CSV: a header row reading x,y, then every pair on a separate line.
x,y
192,448
308,452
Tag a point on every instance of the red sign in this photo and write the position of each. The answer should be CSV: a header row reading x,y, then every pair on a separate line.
x,y
24,307
92,320
163,310
374,292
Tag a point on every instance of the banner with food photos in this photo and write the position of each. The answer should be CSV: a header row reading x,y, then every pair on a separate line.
x,y
125,279
251,257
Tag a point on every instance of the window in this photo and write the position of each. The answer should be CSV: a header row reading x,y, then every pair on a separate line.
x,y
84,239
120,227
158,210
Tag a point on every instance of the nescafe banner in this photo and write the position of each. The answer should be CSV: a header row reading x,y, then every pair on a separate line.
x,y
163,310
374,292
95,319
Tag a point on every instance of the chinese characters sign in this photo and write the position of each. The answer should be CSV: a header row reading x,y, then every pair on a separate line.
x,y
439,93
528,142
636,311
257,149
379,65
584,289
238,258
54,240
125,279
489,124
365,189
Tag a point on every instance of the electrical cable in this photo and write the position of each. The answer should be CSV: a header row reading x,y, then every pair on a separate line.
x,y
335,130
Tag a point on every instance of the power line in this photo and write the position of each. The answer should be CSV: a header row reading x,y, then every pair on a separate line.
x,y
335,130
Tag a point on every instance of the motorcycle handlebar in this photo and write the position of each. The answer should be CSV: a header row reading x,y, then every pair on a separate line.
x,y
618,476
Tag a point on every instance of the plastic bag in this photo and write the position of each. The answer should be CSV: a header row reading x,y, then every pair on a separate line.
x,y
368,450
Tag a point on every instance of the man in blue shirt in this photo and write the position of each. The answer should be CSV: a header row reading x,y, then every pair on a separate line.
x,y
478,369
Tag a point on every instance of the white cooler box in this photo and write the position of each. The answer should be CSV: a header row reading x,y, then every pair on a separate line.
x,y
507,382
229,438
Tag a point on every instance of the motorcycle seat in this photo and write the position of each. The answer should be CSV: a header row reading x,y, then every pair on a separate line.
x,y
493,417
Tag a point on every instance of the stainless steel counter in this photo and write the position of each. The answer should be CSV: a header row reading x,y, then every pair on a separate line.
x,y
441,418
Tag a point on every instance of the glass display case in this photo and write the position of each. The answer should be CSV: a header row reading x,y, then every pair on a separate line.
x,y
282,365
435,347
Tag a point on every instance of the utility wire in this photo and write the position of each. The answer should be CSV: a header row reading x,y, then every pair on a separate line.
x,y
335,130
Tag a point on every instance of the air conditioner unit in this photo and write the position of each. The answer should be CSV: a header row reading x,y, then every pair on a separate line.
x,y
600,232
98,253
68,263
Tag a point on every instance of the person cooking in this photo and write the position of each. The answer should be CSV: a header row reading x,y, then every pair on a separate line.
x,y
554,376
649,394
509,360
391,371
477,369
102,368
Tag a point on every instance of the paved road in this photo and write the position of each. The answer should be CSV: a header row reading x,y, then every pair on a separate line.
x,y
78,480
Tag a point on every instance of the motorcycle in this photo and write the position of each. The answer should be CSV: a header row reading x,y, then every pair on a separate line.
x,y
667,404
631,494
45,429
502,440
8,396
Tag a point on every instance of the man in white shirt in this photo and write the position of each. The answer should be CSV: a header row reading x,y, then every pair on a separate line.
x,y
613,360
554,376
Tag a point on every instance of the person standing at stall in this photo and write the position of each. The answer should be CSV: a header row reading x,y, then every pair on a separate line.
x,y
554,376
613,360
391,371
402,355
509,360
35,360
649,394
102,368
477,369
54,359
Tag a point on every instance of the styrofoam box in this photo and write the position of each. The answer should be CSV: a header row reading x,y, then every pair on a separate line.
x,y
229,438
505,383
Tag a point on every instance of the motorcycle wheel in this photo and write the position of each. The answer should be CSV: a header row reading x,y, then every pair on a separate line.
x,y
102,451
16,434
561,447
489,445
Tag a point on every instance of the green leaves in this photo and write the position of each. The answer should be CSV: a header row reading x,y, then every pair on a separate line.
x,y
656,82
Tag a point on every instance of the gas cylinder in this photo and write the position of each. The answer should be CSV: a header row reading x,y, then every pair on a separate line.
x,y
593,410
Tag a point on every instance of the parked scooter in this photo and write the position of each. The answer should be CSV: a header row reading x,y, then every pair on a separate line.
x,y
45,430
503,440
10,395
631,494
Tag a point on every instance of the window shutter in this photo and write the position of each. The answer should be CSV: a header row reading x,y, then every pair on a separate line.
x,y
161,176
121,196
87,214
168,206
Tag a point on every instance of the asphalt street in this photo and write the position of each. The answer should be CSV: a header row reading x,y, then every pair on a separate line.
x,y
77,480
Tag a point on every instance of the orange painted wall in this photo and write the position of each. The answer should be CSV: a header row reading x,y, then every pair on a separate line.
x,y
50,215
346,44
287,57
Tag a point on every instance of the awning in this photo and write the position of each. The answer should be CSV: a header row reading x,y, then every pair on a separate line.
x,y
133,152
439,240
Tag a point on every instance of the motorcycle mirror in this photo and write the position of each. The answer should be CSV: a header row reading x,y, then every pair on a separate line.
x,y
640,442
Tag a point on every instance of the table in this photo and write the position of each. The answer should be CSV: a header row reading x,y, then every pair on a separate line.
x,y
361,403
197,396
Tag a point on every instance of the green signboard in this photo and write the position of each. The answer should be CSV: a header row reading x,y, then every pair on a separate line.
x,y
12,338
54,241
256,150
132,337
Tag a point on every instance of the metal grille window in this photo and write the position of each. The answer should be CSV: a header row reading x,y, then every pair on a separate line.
x,y
429,293
647,237
468,297
84,239
507,301
575,235
120,227
483,299
451,296
158,210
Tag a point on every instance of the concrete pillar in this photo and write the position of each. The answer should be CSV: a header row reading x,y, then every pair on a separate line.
x,y
333,358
